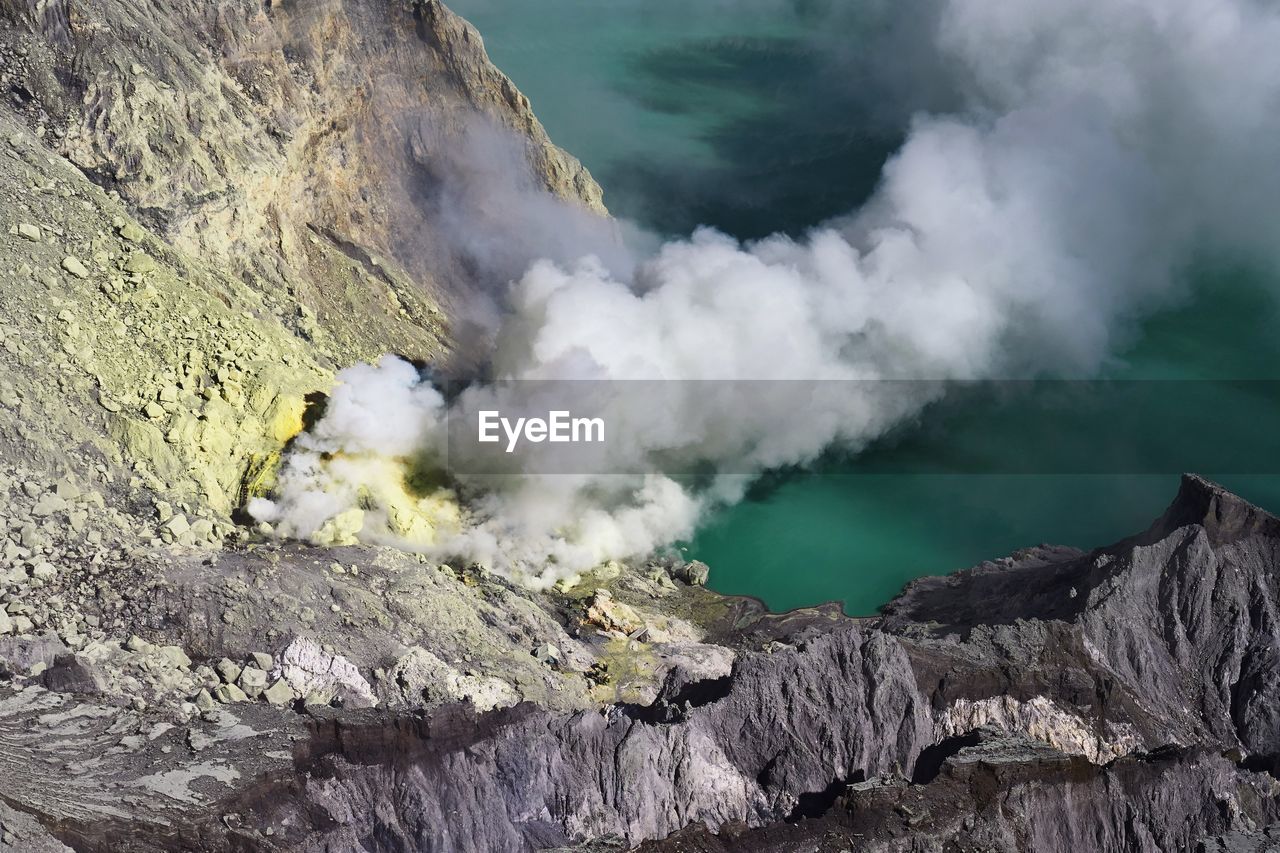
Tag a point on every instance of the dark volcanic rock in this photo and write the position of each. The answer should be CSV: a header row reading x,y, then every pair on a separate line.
x,y
1010,795
70,674
1129,707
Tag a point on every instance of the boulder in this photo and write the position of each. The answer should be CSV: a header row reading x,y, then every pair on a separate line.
x,y
423,678
279,693
252,681
613,616
73,674
228,670
175,657
139,263
312,672
694,572
73,265
226,693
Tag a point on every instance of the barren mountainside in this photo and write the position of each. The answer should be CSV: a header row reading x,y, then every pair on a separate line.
x,y
206,210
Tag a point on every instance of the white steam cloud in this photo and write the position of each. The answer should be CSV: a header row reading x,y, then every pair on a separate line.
x,y
1100,146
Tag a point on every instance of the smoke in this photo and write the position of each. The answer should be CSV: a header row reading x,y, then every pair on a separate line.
x,y
1097,148
493,210
354,460
494,214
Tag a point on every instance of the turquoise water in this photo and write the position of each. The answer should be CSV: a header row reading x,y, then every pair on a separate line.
x,y
710,114
715,112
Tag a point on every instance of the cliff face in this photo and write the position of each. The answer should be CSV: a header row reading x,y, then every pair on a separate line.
x,y
305,147
209,209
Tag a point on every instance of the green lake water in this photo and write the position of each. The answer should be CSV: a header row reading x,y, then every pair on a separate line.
x,y
750,116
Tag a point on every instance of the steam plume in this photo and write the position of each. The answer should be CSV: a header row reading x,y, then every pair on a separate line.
x,y
1097,149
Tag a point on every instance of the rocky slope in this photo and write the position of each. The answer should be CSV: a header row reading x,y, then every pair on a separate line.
x,y
210,208
1087,722
205,210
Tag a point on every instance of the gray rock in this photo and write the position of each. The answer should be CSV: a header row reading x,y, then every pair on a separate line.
x,y
204,700
139,263
44,571
130,232
279,693
992,668
27,654
322,676
547,653
227,693
228,670
175,656
694,573
252,681
73,674
22,833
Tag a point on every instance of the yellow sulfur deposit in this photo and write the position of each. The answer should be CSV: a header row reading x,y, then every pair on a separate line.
x,y
385,509
343,529
284,419
260,478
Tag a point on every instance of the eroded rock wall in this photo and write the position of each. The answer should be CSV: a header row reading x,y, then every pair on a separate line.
x,y
301,146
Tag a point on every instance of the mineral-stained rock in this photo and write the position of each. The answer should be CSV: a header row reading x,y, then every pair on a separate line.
x,y
174,656
139,262
25,654
48,505
175,528
24,834
693,572
548,654
988,710
279,693
277,171
228,670
611,615
273,178
131,232
204,700
227,693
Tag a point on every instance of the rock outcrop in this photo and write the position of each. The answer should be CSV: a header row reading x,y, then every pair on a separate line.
x,y
206,210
